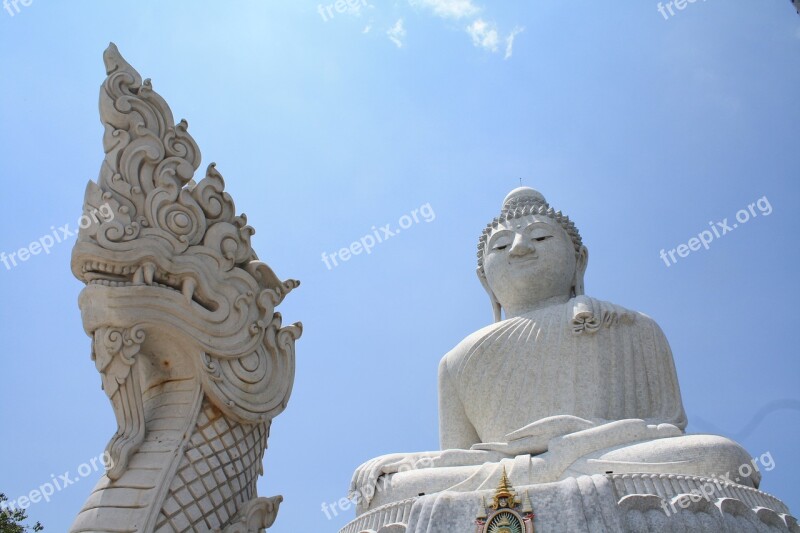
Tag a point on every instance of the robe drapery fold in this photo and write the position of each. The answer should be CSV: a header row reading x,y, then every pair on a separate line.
x,y
527,368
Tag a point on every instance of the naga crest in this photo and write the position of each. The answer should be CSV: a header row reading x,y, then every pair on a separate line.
x,y
182,315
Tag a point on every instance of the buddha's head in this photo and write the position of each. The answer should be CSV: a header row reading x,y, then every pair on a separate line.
x,y
530,255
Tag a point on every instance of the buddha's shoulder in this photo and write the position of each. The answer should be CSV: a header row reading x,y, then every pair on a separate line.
x,y
587,314
471,341
593,320
463,348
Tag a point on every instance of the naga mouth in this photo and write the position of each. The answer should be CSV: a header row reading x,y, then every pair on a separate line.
x,y
147,273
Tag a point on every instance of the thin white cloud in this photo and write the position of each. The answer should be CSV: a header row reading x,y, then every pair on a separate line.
x,y
397,33
454,9
510,41
367,28
484,34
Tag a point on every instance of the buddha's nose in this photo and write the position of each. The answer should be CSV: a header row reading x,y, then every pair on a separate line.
x,y
521,246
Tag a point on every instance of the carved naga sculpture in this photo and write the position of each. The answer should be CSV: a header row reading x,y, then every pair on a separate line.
x,y
185,335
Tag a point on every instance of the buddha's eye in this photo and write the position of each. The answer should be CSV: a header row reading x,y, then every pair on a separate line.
x,y
540,239
501,243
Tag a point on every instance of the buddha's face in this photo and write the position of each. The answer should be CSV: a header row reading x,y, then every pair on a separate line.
x,y
529,260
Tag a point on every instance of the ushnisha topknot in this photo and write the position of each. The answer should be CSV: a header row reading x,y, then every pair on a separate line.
x,y
521,202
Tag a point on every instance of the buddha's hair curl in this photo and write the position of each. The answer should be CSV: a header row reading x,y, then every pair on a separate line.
x,y
520,207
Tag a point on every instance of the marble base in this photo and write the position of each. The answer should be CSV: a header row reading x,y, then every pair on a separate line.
x,y
596,504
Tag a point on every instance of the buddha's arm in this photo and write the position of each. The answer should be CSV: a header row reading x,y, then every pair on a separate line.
x,y
455,429
576,434
457,435
533,439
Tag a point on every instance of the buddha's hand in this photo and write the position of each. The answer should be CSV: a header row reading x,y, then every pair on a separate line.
x,y
364,484
533,438
367,477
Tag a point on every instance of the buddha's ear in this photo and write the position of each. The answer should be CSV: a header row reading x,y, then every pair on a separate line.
x,y
580,271
497,309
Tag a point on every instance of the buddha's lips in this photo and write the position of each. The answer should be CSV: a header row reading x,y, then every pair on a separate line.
x,y
524,259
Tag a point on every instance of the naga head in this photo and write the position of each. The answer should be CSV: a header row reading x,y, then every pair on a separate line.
x,y
171,277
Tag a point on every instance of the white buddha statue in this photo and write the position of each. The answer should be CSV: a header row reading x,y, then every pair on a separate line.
x,y
562,385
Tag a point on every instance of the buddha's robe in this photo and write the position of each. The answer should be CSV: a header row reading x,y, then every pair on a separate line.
x,y
586,358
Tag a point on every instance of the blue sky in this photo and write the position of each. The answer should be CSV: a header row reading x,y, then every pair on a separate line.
x,y
642,129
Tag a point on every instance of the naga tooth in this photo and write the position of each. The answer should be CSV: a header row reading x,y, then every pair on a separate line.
x,y
138,277
149,272
188,287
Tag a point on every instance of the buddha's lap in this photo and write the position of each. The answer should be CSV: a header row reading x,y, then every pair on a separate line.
x,y
695,455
